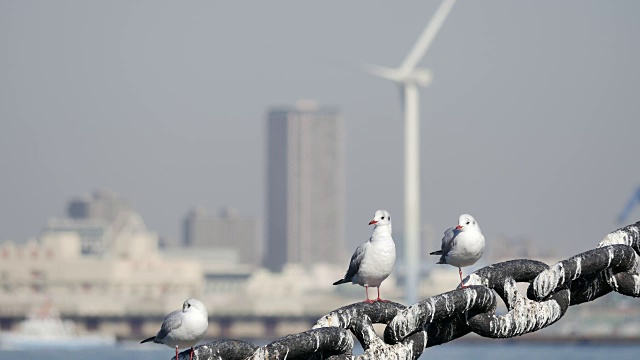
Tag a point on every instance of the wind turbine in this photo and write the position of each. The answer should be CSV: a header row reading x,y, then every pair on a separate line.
x,y
408,77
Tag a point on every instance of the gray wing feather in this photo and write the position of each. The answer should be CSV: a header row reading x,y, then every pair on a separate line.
x,y
170,323
448,241
356,260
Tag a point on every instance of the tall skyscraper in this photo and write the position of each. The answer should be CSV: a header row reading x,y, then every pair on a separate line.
x,y
306,186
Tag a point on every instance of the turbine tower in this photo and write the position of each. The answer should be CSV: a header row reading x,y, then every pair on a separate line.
x,y
408,77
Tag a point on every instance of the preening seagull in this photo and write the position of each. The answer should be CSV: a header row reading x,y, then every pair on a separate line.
x,y
183,328
463,245
373,261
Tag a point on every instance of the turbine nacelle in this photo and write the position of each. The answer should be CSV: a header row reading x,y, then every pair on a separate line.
x,y
422,77
418,76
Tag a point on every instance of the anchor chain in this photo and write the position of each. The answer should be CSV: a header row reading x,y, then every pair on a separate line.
x,y
612,266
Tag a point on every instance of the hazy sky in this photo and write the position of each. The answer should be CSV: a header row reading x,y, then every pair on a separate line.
x,y
531,123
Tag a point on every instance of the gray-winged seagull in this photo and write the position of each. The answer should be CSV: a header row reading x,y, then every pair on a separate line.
x,y
463,245
183,328
373,261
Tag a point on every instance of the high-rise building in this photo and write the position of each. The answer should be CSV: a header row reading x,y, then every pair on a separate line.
x,y
306,186
104,222
228,231
100,205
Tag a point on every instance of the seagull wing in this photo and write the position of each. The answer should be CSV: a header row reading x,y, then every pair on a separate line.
x,y
448,242
354,264
170,323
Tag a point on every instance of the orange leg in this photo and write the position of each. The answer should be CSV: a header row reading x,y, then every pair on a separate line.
x,y
366,288
176,352
461,284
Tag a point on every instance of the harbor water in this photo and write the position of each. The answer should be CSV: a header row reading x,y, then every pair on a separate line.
x,y
501,350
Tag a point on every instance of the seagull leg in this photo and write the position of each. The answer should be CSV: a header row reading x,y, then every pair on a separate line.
x,y
366,288
378,299
461,284
176,352
191,354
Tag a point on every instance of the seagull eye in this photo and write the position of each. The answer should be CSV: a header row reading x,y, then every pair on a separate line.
x,y
382,218
467,223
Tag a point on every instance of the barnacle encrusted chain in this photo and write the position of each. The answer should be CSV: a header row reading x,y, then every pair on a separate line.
x,y
612,266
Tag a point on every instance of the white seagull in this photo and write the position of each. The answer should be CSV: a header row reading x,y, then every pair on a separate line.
x,y
463,245
373,261
183,328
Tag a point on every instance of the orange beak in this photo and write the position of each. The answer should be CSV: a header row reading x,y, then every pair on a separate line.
x,y
373,222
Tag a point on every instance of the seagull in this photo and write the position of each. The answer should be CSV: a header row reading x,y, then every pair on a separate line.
x,y
183,328
463,245
373,261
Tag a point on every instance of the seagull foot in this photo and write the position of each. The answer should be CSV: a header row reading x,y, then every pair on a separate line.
x,y
381,300
369,301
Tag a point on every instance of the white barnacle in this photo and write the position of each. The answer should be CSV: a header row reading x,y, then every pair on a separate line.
x,y
526,315
549,279
447,304
432,308
616,237
317,341
474,279
511,292
506,325
325,321
578,272
611,255
555,311
471,297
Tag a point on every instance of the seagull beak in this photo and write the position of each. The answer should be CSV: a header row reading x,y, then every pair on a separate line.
x,y
373,222
459,227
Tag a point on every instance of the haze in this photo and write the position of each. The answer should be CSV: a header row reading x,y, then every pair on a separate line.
x,y
531,122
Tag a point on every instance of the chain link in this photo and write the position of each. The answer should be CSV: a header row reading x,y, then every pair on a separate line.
x,y
612,266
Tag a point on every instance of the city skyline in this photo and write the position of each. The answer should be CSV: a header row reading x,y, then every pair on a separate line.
x,y
529,124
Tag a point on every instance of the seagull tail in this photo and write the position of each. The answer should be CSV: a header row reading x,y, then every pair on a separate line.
x,y
341,281
147,340
437,252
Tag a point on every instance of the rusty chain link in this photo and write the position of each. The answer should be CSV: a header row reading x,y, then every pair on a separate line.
x,y
612,266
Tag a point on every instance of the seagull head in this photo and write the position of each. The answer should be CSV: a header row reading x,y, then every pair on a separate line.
x,y
467,222
194,305
381,218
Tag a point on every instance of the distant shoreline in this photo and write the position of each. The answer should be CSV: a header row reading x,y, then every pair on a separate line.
x,y
554,339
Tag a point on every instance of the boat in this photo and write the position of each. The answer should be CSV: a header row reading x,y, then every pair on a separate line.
x,y
44,328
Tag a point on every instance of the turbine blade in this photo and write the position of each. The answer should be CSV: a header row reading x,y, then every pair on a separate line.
x,y
426,38
381,71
